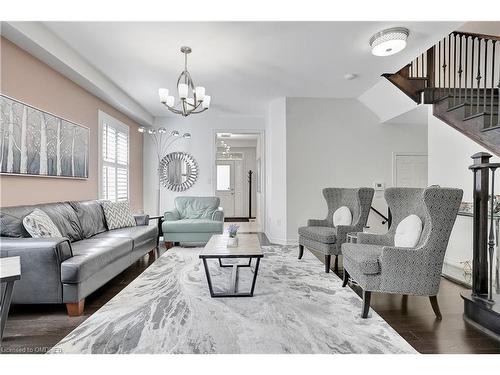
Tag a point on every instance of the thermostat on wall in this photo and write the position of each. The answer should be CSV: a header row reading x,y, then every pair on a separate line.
x,y
378,185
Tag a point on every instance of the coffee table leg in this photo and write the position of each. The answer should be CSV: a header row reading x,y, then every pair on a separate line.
x,y
254,275
234,279
209,280
5,306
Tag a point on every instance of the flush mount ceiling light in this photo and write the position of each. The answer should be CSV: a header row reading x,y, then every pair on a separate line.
x,y
390,41
192,99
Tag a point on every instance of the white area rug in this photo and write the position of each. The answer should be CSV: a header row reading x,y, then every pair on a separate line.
x,y
297,308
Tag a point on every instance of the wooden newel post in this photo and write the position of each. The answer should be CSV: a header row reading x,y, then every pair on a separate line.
x,y
480,225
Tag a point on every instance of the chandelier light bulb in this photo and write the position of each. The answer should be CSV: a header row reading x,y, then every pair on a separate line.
x,y
162,131
200,93
186,135
141,129
170,101
151,131
183,89
205,104
163,94
175,133
389,42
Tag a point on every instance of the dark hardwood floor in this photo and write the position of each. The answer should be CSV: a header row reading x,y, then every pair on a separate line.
x,y
36,328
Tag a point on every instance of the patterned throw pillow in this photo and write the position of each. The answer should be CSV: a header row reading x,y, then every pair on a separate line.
x,y
39,225
118,215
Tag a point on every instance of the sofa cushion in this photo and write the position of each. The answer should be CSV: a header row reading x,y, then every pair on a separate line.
x,y
91,255
39,225
118,215
366,257
138,234
91,216
192,226
320,234
196,207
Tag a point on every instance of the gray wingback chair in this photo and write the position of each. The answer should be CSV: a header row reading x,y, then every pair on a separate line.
x,y
322,236
378,266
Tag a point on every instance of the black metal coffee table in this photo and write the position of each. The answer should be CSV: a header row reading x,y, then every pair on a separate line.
x,y
248,248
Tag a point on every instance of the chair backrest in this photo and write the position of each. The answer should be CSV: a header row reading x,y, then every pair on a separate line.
x,y
437,207
358,201
196,207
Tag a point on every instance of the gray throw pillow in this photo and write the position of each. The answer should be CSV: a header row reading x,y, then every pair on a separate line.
x,y
40,225
91,217
118,215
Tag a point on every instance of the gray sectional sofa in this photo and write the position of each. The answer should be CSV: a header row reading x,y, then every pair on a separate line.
x,y
68,269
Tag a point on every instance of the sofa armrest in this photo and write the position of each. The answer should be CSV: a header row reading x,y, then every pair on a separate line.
x,y
218,215
172,215
141,219
318,223
41,260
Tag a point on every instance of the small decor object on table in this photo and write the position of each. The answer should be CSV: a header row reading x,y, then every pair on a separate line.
x,y
233,235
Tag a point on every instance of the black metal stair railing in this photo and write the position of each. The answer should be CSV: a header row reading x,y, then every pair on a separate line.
x,y
463,68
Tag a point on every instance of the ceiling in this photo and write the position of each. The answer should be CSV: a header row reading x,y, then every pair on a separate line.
x,y
243,65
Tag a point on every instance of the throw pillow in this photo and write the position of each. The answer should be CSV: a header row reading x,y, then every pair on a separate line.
x,y
118,215
40,225
408,232
342,216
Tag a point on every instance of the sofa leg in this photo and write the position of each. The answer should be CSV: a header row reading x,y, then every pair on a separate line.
x,y
345,280
177,244
435,307
152,253
75,309
336,264
328,257
301,251
366,304
168,245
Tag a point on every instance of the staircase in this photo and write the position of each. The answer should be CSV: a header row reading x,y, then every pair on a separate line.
x,y
460,77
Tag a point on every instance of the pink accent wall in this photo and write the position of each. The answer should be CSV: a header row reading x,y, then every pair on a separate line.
x,y
25,78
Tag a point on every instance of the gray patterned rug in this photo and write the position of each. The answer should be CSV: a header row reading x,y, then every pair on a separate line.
x,y
297,308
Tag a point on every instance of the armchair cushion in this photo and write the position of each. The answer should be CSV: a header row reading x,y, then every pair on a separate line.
x,y
321,234
192,226
408,232
366,257
196,207
342,216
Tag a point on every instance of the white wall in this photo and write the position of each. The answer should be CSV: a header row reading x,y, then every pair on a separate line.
x,y
339,143
450,156
201,146
276,181
449,159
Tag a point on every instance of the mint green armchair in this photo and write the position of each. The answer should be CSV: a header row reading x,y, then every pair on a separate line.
x,y
194,220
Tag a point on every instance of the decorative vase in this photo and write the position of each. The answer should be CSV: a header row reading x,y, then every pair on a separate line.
x,y
232,242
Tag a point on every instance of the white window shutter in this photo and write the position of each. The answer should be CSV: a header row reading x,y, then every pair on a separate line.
x,y
114,161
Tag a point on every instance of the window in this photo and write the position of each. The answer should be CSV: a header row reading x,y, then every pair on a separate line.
x,y
223,177
113,159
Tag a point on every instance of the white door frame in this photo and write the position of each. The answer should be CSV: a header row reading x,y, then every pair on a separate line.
x,y
262,156
395,155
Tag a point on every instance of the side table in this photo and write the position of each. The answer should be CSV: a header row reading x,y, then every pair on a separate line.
x,y
10,271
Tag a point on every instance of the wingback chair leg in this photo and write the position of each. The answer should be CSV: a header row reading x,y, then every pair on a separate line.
x,y
366,304
345,280
328,258
336,264
435,307
301,251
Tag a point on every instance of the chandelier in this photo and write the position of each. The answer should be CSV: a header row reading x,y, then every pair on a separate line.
x,y
192,99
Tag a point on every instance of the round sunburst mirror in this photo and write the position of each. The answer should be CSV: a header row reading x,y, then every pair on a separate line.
x,y
178,171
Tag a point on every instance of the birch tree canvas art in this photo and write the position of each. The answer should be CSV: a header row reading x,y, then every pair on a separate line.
x,y
34,142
